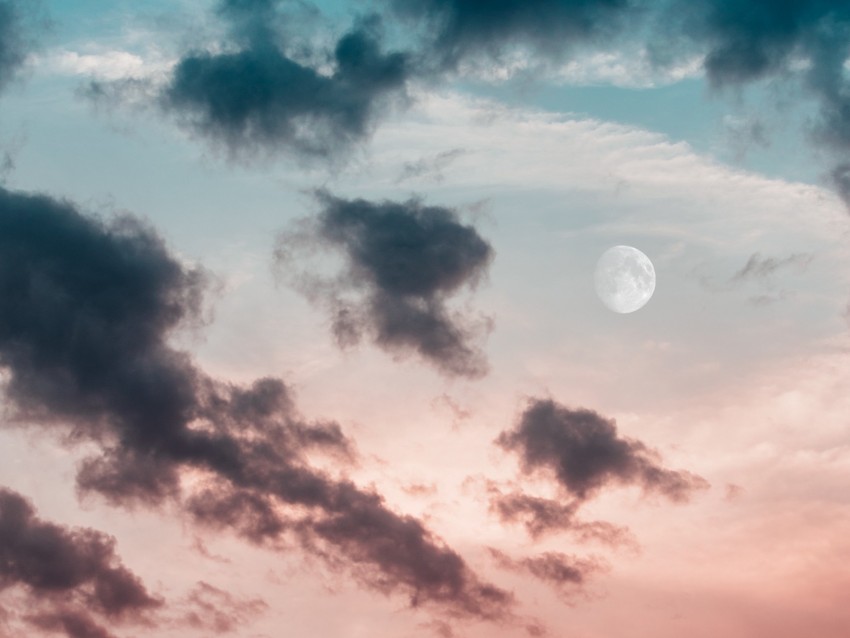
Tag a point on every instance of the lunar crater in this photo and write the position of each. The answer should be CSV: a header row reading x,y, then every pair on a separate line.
x,y
625,279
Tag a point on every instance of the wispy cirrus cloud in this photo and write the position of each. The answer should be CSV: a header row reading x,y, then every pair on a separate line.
x,y
15,44
568,575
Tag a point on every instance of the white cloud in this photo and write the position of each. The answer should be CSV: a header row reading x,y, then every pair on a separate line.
x,y
626,68
108,64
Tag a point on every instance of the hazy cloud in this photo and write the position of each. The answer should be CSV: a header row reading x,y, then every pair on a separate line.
x,y
585,453
403,261
747,42
759,267
744,133
459,29
14,44
542,516
566,574
89,305
431,166
214,610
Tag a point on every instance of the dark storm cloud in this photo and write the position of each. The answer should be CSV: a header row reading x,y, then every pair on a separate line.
x,y
255,97
566,574
66,574
403,261
458,29
89,306
585,453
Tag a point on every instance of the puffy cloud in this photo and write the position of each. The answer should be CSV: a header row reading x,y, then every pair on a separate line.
x,y
14,45
68,575
403,261
542,516
759,267
585,453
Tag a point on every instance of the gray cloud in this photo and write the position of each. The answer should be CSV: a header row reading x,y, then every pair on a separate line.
x,y
403,261
585,453
460,29
803,41
69,576
258,98
431,166
89,305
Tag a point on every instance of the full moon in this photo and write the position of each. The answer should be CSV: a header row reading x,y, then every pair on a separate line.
x,y
625,279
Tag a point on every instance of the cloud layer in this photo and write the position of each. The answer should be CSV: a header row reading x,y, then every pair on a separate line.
x,y
254,97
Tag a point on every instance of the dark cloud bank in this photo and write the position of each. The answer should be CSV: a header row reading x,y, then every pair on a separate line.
x,y
88,307
402,263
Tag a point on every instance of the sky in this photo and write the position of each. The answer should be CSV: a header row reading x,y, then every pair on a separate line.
x,y
299,334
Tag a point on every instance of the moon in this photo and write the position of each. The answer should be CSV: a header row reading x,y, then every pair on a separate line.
x,y
625,279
